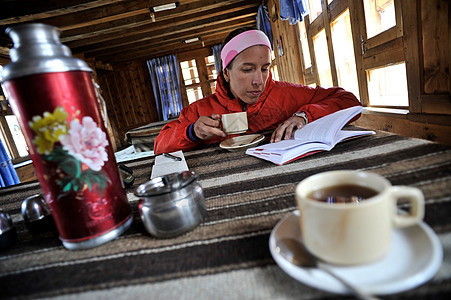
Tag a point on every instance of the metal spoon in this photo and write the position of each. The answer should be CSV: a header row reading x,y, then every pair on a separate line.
x,y
296,253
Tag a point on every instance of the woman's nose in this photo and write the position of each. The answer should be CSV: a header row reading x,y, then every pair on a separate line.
x,y
258,78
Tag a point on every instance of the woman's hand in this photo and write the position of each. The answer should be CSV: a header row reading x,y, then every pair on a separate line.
x,y
286,129
208,127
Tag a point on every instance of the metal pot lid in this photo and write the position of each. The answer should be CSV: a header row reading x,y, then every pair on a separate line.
x,y
166,184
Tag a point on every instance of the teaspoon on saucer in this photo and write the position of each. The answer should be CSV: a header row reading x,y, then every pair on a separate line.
x,y
296,253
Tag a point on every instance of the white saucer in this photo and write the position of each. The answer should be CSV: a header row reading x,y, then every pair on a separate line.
x,y
241,142
414,258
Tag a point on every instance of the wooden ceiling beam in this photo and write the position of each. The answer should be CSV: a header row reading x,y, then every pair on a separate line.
x,y
162,42
214,38
136,19
142,34
14,12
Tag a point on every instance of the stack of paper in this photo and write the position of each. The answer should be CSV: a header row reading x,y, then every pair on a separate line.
x,y
167,165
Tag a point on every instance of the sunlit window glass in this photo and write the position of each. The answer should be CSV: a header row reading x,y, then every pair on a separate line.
x,y
275,72
387,86
18,137
194,94
322,59
314,9
189,71
344,53
304,45
379,16
211,71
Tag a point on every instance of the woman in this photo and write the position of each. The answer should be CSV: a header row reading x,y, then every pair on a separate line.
x,y
246,84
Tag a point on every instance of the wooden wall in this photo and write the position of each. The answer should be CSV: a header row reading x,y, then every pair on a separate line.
x,y
130,102
285,38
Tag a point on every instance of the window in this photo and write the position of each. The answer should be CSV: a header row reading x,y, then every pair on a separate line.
x,y
199,75
10,133
387,86
212,72
344,53
322,59
191,79
370,65
314,9
304,45
379,15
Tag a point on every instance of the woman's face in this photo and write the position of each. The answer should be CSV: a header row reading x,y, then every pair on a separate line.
x,y
249,73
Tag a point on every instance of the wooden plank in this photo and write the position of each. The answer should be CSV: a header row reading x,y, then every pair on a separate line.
x,y
336,8
382,38
436,44
33,10
169,42
150,31
330,46
98,15
26,173
436,104
140,16
413,52
357,17
383,55
180,33
406,127
4,52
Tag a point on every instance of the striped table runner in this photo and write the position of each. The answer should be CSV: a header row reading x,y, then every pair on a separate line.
x,y
227,256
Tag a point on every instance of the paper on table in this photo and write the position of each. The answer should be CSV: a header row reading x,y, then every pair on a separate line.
x,y
166,165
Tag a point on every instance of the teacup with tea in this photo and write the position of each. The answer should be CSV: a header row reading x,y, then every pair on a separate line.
x,y
347,217
234,123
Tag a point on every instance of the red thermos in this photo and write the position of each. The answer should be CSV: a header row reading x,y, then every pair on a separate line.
x,y
53,97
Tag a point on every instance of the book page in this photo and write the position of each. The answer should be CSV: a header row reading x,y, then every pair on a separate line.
x,y
326,128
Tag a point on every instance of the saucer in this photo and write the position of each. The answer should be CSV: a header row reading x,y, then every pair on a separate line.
x,y
241,142
414,258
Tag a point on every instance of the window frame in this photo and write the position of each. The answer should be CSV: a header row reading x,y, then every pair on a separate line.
x,y
10,145
381,50
199,56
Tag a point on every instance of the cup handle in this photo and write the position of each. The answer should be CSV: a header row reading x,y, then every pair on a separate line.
x,y
416,200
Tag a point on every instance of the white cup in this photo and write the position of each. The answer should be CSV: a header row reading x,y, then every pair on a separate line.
x,y
354,233
234,123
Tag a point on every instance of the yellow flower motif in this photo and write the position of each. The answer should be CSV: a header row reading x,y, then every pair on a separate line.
x,y
49,128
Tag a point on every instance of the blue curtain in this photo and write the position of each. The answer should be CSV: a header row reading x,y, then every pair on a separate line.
x,y
263,22
164,73
217,55
8,175
293,10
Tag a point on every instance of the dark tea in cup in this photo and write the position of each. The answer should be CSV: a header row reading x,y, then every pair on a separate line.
x,y
347,193
353,233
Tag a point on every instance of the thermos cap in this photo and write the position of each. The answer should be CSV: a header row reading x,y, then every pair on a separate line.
x,y
37,49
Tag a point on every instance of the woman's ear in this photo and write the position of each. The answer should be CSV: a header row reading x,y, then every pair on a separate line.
x,y
226,74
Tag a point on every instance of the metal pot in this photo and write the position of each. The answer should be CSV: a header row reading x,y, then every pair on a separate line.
x,y
172,204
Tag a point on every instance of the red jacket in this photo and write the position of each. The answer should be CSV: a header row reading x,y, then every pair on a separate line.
x,y
278,102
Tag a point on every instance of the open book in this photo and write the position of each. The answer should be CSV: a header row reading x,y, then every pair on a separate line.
x,y
320,135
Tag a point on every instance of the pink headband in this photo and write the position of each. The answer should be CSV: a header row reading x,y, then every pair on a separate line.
x,y
241,42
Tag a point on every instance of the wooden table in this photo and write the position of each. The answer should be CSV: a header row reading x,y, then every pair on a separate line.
x,y
227,256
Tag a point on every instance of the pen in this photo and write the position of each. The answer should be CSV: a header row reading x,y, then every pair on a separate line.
x,y
172,156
